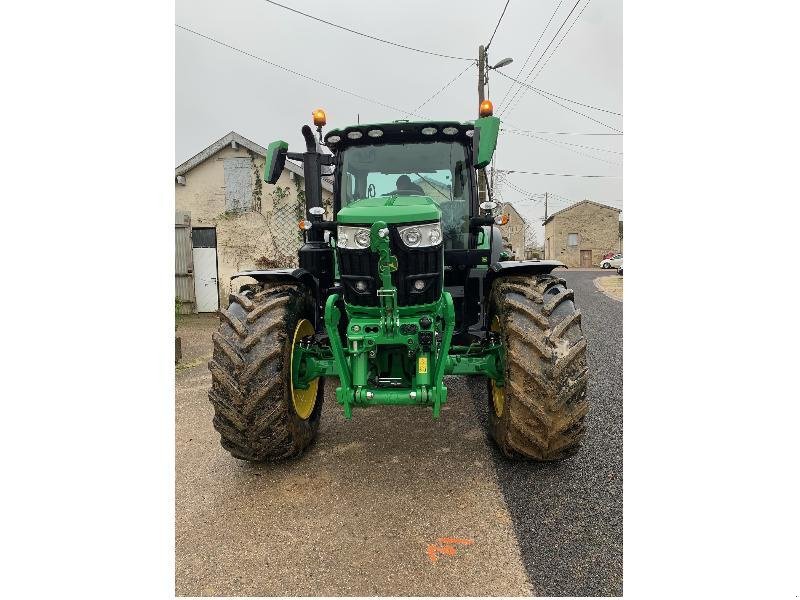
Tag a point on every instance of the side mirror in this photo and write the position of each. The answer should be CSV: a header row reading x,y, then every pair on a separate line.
x,y
275,161
484,141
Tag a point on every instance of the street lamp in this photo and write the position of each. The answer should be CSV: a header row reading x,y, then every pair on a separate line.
x,y
503,63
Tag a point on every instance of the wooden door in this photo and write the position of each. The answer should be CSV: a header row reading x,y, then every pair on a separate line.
x,y
184,269
586,259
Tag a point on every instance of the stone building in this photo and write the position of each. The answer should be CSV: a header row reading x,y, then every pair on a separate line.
x,y
513,232
581,234
228,220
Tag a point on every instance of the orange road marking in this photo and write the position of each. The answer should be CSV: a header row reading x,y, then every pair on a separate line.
x,y
463,541
446,547
433,550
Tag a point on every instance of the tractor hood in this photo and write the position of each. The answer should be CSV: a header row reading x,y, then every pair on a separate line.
x,y
390,209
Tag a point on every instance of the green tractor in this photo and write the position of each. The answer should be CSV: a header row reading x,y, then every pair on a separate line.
x,y
408,284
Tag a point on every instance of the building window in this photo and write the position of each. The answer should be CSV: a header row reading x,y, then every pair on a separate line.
x,y
204,237
238,185
572,239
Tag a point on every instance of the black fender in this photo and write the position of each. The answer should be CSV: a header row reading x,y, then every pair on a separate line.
x,y
529,268
290,274
284,275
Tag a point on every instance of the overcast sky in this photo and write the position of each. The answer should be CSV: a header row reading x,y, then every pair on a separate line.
x,y
218,90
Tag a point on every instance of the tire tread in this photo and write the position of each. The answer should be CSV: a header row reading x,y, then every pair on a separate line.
x,y
250,387
546,369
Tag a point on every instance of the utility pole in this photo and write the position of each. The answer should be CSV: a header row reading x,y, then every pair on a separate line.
x,y
545,206
481,83
546,239
481,71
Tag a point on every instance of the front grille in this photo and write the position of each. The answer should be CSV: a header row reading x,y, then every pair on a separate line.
x,y
412,264
359,265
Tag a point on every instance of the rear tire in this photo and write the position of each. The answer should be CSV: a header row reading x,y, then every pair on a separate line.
x,y
606,265
541,414
251,387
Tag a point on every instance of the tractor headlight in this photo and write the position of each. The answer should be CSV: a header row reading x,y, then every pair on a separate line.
x,y
352,237
362,238
421,236
411,236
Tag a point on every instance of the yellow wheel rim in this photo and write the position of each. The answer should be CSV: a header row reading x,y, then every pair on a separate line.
x,y
498,393
303,400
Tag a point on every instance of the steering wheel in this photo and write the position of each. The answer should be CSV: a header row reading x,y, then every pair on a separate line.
x,y
404,193
371,190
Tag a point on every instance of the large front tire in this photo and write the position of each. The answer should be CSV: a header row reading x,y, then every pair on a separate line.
x,y
257,413
540,411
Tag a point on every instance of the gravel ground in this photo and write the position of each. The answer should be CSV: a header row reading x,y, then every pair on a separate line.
x,y
355,515
568,517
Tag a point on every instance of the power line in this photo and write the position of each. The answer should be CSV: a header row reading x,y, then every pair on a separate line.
x,y
577,112
293,72
498,24
570,201
541,91
443,88
557,143
569,108
517,188
519,93
509,171
372,37
531,52
529,134
543,53
559,202
518,130
528,194
566,33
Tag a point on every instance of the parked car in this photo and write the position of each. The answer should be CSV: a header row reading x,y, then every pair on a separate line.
x,y
612,262
619,269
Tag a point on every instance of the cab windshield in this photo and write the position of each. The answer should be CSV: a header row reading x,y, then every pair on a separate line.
x,y
434,169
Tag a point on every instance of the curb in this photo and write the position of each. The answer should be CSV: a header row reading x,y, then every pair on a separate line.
x,y
601,290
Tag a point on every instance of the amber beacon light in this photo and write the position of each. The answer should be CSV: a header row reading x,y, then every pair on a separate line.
x,y
319,117
486,109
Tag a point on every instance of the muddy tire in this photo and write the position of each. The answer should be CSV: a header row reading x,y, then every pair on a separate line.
x,y
543,404
250,374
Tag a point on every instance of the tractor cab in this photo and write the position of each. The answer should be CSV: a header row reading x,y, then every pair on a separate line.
x,y
409,162
421,178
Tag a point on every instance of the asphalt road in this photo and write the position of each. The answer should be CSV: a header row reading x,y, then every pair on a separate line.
x,y
363,511
568,516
